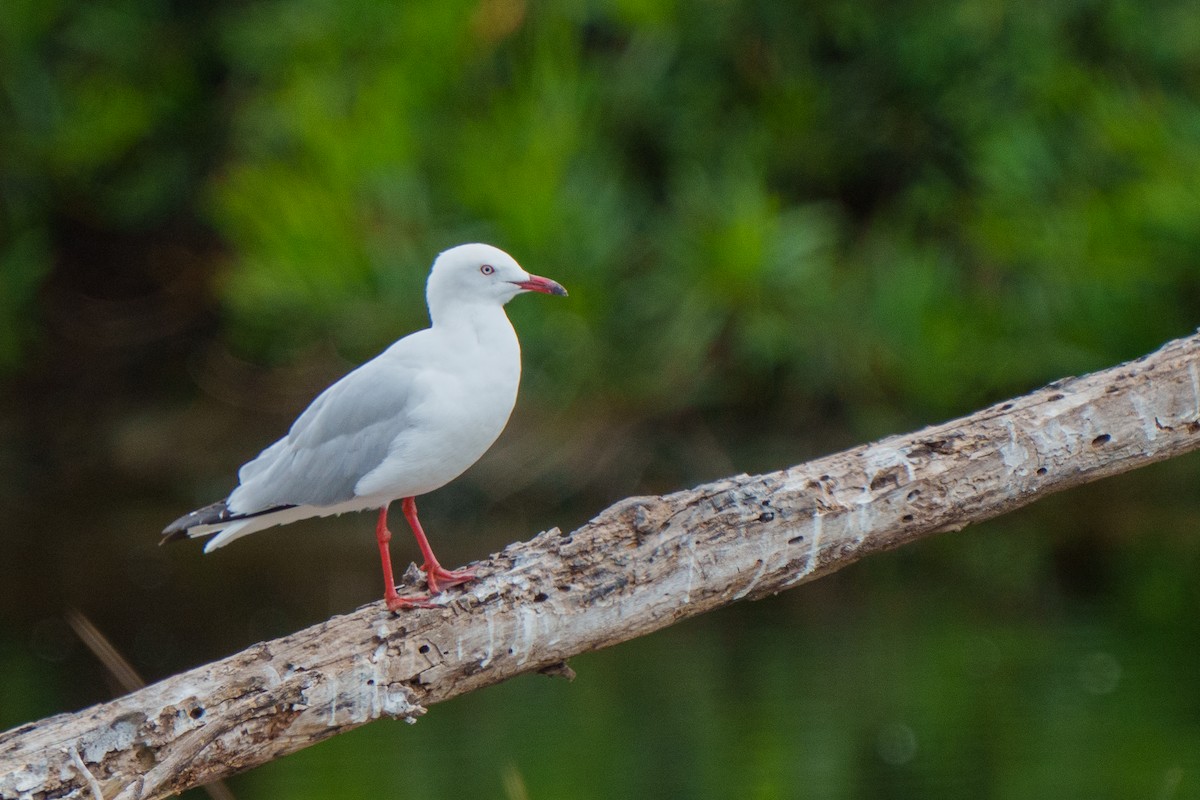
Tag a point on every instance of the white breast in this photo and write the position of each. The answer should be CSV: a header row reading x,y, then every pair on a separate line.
x,y
462,400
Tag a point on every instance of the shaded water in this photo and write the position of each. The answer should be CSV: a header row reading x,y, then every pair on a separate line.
x,y
956,667
1050,653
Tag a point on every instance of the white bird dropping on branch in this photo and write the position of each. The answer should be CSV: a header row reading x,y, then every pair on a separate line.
x,y
405,423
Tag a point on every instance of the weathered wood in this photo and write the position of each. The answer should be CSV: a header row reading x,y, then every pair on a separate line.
x,y
639,566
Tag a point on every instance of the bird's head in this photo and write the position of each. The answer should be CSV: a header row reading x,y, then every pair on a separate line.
x,y
480,273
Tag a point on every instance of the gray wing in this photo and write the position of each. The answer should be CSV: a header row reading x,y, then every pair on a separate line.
x,y
342,436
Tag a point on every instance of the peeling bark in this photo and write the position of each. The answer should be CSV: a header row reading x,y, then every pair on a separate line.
x,y
640,565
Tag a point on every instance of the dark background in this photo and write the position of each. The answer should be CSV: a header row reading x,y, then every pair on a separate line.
x,y
786,228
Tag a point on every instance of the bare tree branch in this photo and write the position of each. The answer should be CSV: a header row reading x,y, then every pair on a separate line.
x,y
639,566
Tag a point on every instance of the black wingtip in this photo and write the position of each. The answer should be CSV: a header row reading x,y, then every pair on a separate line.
x,y
209,515
173,536
214,514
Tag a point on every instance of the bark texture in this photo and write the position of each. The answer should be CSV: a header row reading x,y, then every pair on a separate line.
x,y
639,566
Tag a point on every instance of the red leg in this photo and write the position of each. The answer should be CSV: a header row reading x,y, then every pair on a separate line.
x,y
436,575
383,536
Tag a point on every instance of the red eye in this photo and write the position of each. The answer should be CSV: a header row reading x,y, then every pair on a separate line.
x,y
487,269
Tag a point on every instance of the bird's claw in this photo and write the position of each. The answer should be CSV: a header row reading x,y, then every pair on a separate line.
x,y
439,578
399,602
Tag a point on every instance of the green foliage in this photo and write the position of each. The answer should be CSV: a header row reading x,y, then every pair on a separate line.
x,y
101,127
747,200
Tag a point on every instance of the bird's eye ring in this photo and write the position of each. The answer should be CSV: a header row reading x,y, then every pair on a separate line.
x,y
487,269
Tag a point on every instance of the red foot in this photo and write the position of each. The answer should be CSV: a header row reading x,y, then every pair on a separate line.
x,y
438,578
398,602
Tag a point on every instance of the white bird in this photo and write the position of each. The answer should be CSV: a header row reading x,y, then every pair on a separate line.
x,y
405,423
